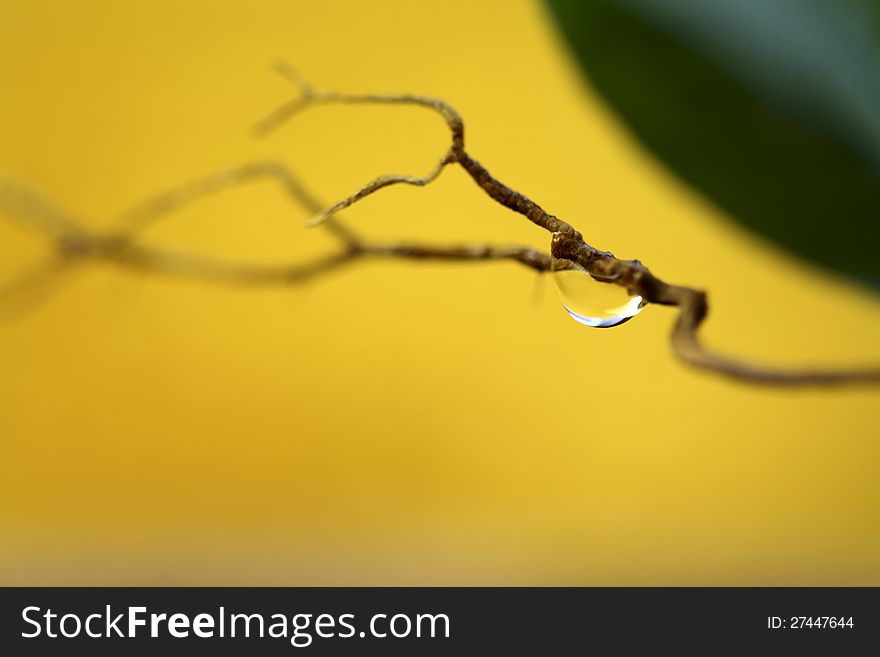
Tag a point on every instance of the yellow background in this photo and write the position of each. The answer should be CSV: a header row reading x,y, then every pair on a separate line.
x,y
397,422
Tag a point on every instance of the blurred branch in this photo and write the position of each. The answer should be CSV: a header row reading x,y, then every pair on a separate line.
x,y
567,248
75,244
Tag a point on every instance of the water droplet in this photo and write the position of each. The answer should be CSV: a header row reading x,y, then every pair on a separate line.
x,y
595,303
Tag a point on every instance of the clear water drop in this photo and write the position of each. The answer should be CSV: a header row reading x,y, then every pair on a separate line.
x,y
595,303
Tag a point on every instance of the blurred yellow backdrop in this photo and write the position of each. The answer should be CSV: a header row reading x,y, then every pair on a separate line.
x,y
396,422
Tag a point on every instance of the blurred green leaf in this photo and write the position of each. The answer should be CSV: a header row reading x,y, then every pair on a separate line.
x,y
770,107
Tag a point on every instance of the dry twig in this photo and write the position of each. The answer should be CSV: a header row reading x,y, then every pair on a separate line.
x,y
567,247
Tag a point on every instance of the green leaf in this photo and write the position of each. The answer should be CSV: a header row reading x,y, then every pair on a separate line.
x,y
770,107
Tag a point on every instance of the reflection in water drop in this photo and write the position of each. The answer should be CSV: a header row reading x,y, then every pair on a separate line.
x,y
594,303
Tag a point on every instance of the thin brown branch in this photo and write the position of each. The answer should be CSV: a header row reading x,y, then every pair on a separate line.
x,y
530,257
121,246
568,244
567,247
